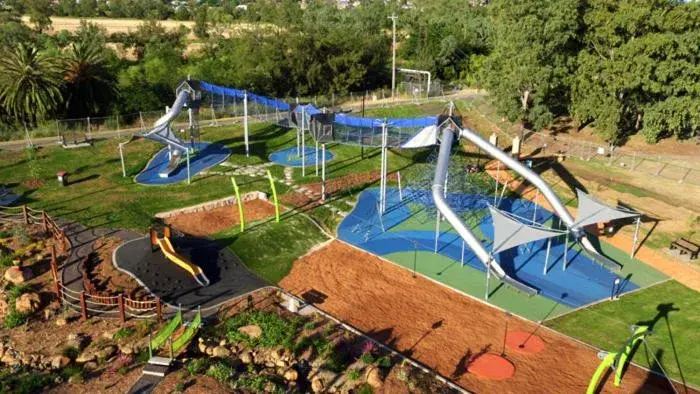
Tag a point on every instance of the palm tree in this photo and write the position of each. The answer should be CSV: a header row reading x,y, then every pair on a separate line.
x,y
30,83
90,84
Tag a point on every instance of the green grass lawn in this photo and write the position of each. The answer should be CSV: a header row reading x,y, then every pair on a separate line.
x,y
269,249
676,335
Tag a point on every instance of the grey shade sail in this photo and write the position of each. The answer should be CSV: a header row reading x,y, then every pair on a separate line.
x,y
592,211
509,233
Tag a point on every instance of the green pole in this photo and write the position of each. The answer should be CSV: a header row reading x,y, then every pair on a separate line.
x,y
639,334
239,202
274,196
608,361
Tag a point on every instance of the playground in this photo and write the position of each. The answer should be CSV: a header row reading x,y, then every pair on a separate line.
x,y
426,259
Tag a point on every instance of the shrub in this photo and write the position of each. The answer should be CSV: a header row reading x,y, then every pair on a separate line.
x,y
275,330
71,352
354,374
75,372
13,318
221,371
197,366
384,362
367,358
23,382
6,259
123,333
14,291
180,387
364,389
257,384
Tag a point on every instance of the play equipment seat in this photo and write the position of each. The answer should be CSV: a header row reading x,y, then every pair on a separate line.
x,y
169,251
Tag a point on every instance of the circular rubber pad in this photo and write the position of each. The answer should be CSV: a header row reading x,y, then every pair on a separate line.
x,y
491,367
524,342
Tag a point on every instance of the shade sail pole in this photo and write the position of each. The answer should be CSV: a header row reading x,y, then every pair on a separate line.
x,y
546,258
566,250
636,236
245,123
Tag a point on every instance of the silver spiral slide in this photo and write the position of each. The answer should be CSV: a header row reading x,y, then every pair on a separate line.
x,y
474,244
162,132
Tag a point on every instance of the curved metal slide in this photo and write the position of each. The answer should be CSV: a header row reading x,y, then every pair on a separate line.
x,y
546,191
438,189
162,133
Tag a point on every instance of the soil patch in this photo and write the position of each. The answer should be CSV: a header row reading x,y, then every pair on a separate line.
x,y
209,222
105,279
442,328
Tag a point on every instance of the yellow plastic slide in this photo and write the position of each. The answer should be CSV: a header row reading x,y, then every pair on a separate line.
x,y
167,247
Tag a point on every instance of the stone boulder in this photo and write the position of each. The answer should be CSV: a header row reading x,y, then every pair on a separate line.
x,y
59,362
246,357
86,357
221,352
291,375
17,275
254,331
106,352
317,385
374,378
28,303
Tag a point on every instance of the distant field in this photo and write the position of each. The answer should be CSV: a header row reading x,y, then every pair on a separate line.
x,y
119,25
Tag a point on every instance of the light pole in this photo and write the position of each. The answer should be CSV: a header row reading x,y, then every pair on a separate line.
x,y
393,18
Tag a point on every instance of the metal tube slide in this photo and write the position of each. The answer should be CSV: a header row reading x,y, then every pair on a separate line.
x,y
438,189
546,191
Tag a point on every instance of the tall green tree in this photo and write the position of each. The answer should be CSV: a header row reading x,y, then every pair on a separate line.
x,y
90,84
534,44
639,69
30,83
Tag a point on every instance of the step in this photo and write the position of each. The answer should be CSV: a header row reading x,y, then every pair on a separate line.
x,y
156,370
157,360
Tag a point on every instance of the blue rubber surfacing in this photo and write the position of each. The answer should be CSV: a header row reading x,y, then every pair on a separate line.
x,y
583,282
289,158
207,155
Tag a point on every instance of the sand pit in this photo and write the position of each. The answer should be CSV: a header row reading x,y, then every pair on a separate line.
x,y
209,222
444,329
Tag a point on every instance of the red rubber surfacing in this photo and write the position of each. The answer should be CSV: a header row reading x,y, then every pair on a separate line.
x,y
491,367
524,342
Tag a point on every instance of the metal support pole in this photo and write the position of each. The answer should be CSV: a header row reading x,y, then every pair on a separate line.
x,y
498,175
323,172
462,260
566,250
437,230
488,279
636,236
245,122
188,167
546,257
398,176
89,132
534,202
121,155
303,144
316,155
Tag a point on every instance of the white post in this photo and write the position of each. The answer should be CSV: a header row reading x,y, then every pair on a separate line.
x,y
188,167
323,172
143,125
546,258
636,236
121,155
498,175
566,250
488,277
89,132
437,230
393,18
316,155
462,260
534,212
303,143
398,175
245,122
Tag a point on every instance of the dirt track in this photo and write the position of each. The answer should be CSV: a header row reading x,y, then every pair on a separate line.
x,y
212,221
442,328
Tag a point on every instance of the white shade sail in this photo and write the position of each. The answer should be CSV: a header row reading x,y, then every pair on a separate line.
x,y
592,211
509,232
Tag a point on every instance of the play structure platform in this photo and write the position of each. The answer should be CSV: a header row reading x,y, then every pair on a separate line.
x,y
177,286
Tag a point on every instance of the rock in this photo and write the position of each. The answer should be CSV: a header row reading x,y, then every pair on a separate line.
x,y
109,334
60,322
106,352
90,366
221,352
209,351
10,358
254,331
202,347
317,385
222,342
77,341
374,378
246,357
85,357
3,304
281,363
58,362
126,349
28,303
291,375
17,275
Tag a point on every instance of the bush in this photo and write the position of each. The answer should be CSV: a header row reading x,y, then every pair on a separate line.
x,y
123,333
275,330
384,362
75,372
71,352
6,259
257,384
354,374
221,371
367,358
13,318
23,382
364,389
197,366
